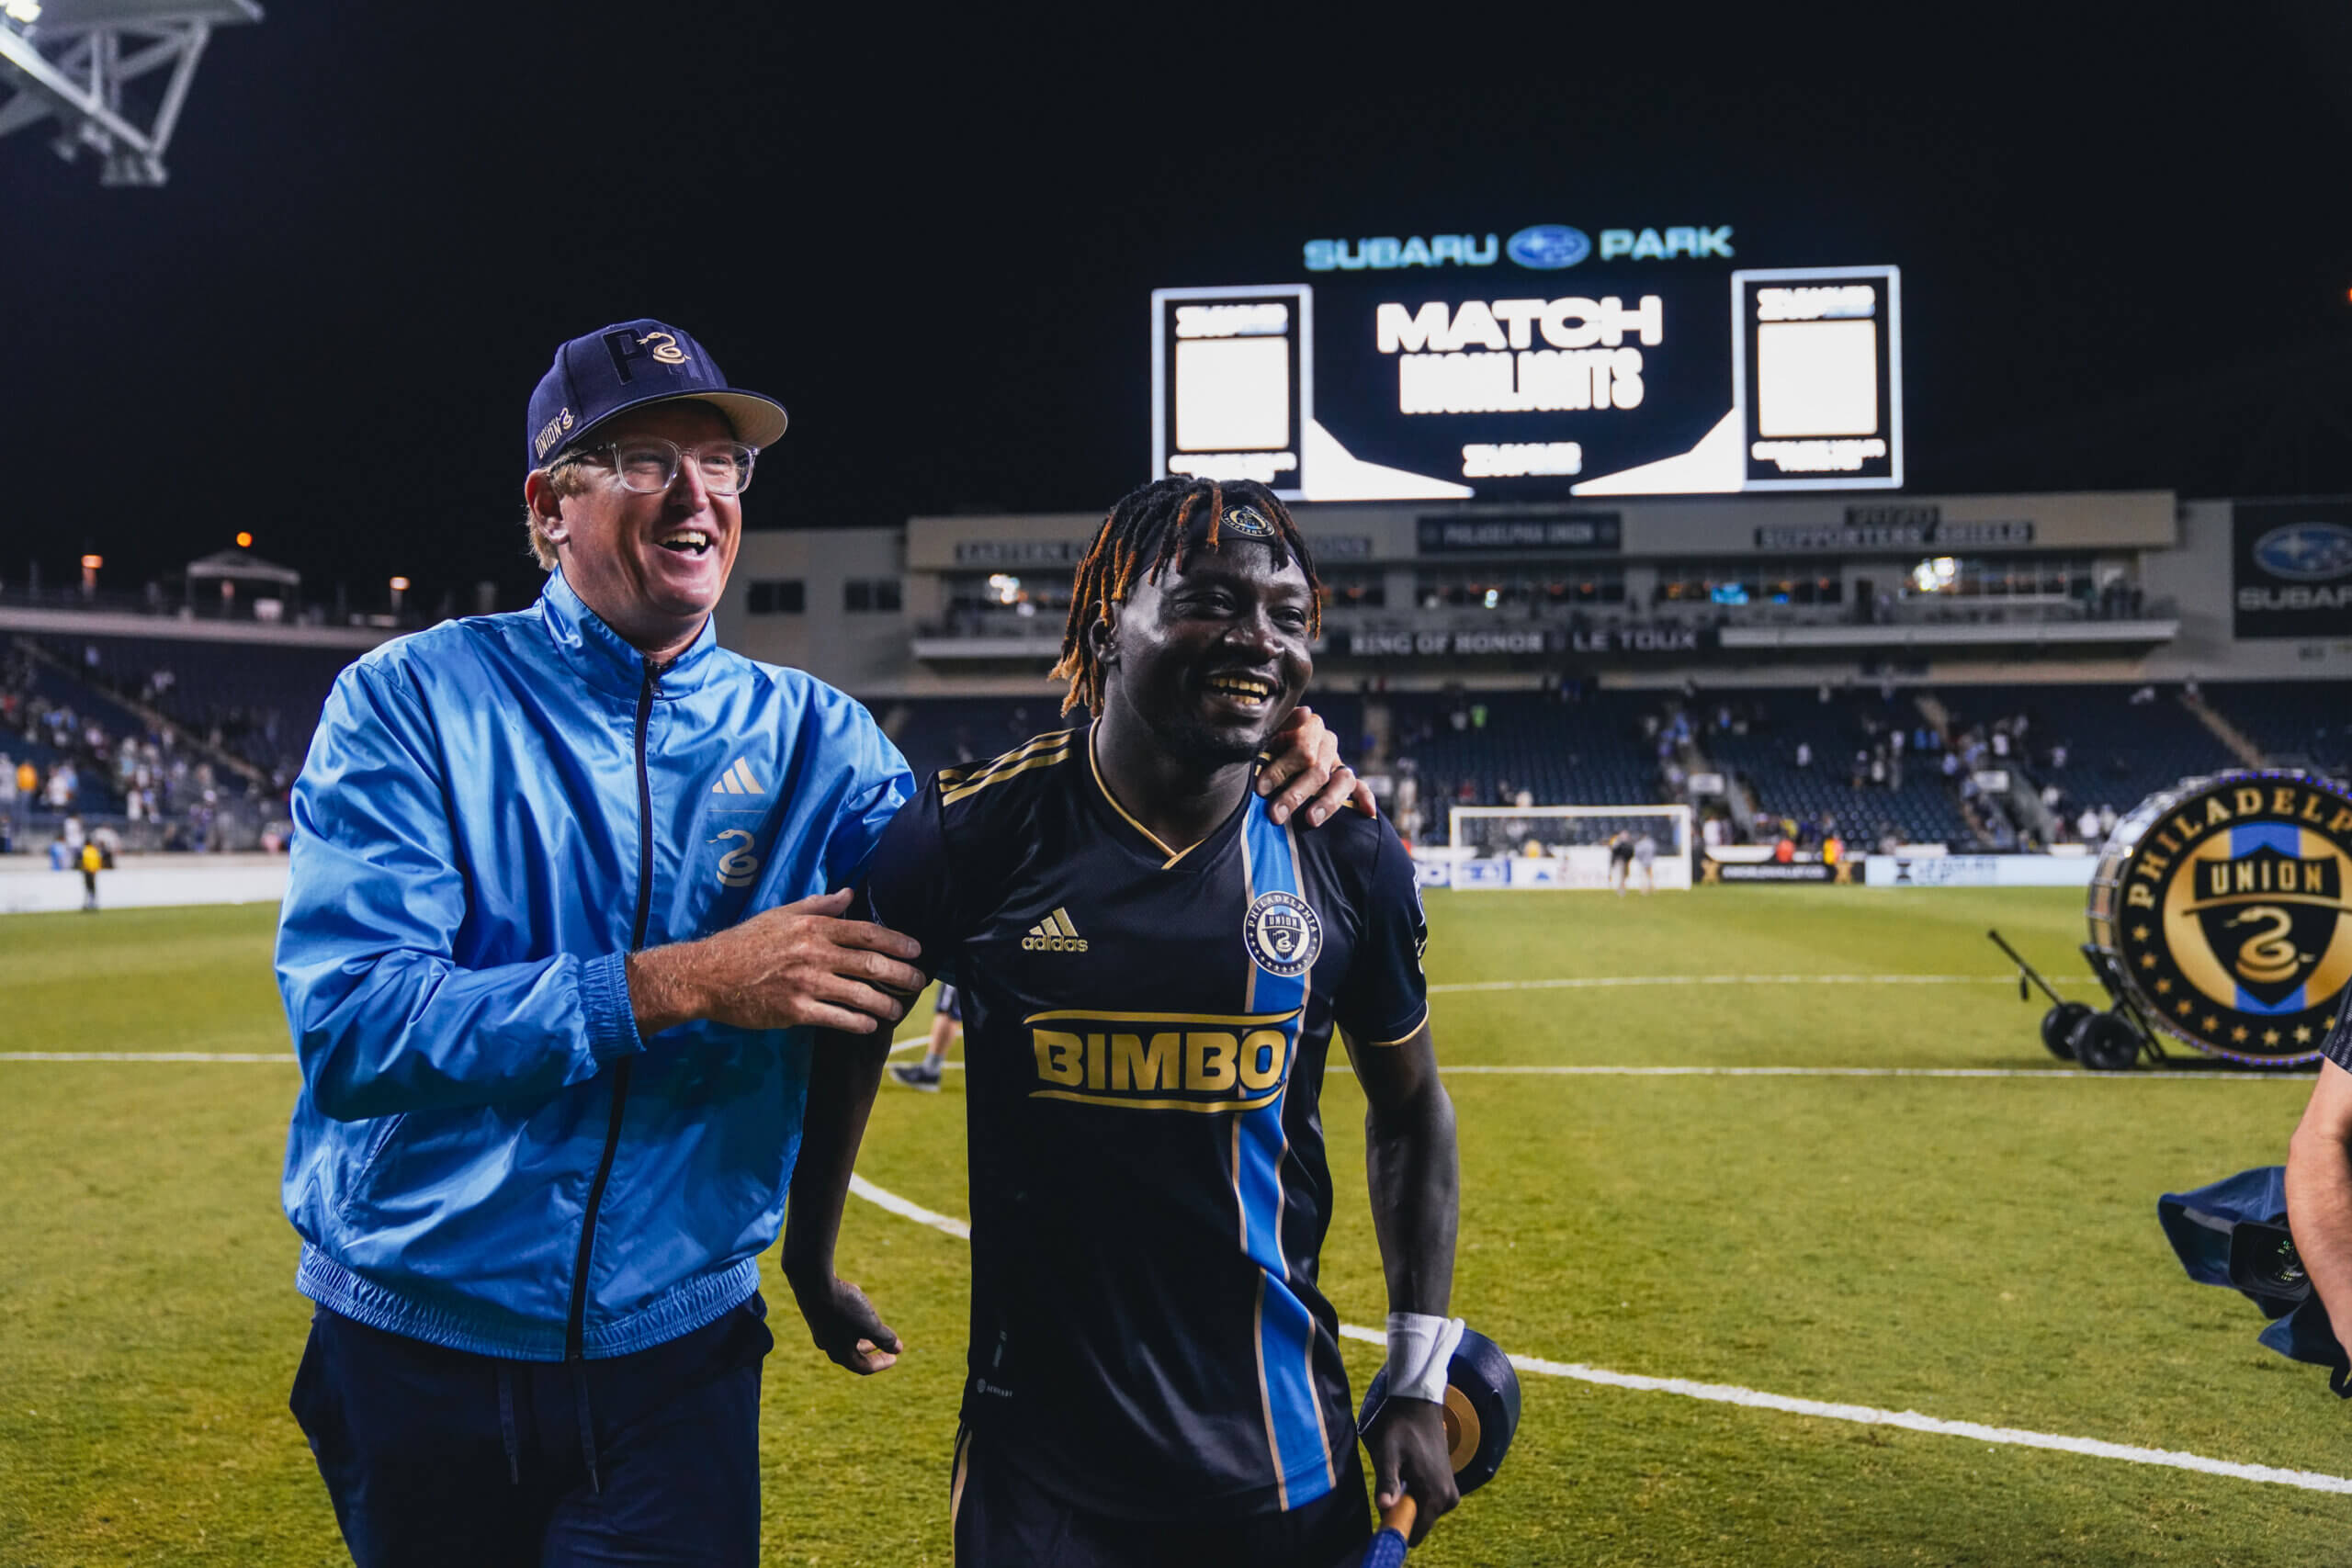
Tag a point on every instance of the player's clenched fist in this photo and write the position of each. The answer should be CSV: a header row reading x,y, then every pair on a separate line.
x,y
801,965
1409,1455
844,1323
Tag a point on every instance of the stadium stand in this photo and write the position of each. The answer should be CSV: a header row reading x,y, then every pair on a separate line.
x,y
2307,724
1801,752
949,732
260,704
124,716
2099,745
1483,748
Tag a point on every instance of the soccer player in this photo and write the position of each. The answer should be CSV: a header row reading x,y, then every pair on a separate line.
x,y
1620,861
1645,862
1151,970
946,1023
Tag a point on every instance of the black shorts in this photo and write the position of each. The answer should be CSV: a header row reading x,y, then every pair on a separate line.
x,y
1002,1519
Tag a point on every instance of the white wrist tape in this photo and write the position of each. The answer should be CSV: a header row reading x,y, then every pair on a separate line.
x,y
1421,1348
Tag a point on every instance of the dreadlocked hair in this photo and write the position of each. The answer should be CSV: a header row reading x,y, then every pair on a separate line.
x,y
1141,536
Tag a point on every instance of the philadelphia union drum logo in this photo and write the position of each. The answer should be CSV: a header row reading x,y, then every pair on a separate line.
x,y
2223,903
1282,933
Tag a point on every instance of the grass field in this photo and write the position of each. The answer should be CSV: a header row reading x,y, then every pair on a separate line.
x,y
1977,1249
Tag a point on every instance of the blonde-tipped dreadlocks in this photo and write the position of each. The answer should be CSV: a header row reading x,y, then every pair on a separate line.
x,y
1143,535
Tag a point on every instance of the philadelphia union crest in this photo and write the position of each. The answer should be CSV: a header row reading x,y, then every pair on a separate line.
x,y
2223,903
1282,933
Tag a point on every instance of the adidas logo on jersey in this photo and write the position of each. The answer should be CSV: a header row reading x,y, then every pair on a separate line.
x,y
1054,934
739,780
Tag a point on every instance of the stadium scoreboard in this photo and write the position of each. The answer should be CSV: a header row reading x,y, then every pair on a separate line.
x,y
1475,366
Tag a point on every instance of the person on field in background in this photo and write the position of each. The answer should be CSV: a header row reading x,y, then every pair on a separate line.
x,y
550,986
1153,970
946,1023
93,860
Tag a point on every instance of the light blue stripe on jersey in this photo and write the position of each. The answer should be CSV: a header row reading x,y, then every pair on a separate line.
x,y
2287,840
1285,1329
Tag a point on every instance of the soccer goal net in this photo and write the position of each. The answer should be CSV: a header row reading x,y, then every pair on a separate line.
x,y
1571,846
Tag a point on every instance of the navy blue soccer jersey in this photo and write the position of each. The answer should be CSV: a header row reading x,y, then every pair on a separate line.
x,y
1145,1036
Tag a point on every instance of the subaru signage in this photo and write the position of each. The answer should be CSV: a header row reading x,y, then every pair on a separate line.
x,y
1548,247
2306,552
2292,569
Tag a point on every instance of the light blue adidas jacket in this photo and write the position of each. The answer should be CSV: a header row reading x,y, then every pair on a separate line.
x,y
485,1155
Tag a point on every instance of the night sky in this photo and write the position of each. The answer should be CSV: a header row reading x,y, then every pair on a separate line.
x,y
2126,242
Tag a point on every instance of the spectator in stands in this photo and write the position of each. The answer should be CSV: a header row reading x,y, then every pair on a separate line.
x,y
2106,821
1804,754
2088,826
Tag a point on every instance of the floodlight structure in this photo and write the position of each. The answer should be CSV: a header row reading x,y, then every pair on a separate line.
x,y
69,60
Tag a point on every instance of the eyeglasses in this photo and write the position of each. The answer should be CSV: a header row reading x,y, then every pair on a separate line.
x,y
648,465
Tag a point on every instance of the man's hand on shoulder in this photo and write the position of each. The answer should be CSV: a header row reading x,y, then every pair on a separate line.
x,y
1306,770
844,1324
1409,1454
801,965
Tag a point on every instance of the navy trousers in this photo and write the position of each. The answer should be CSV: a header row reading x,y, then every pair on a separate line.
x,y
444,1458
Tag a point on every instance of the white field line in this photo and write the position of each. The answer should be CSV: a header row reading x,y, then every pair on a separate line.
x,y
1606,982
285,1056
1727,1393
2060,1075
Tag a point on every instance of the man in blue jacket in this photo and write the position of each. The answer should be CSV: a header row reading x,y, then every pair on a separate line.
x,y
558,926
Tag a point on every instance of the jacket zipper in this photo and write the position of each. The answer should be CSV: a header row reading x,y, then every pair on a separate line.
x,y
576,1331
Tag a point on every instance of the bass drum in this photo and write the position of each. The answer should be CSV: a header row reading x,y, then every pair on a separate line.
x,y
2221,904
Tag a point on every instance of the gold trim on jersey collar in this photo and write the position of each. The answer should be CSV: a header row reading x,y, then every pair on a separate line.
x,y
1157,842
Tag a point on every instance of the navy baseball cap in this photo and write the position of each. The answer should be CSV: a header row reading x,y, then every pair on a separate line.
x,y
627,366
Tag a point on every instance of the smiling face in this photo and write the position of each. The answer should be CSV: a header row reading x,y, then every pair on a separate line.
x,y
1212,657
651,566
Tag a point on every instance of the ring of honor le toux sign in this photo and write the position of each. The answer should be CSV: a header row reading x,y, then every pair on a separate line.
x,y
2231,922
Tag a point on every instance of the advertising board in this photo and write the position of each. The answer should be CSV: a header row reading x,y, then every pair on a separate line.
x,y
1772,872
1978,871
2290,568
1534,366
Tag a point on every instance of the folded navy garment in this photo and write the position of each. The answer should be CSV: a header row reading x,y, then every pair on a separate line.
x,y
2234,1233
